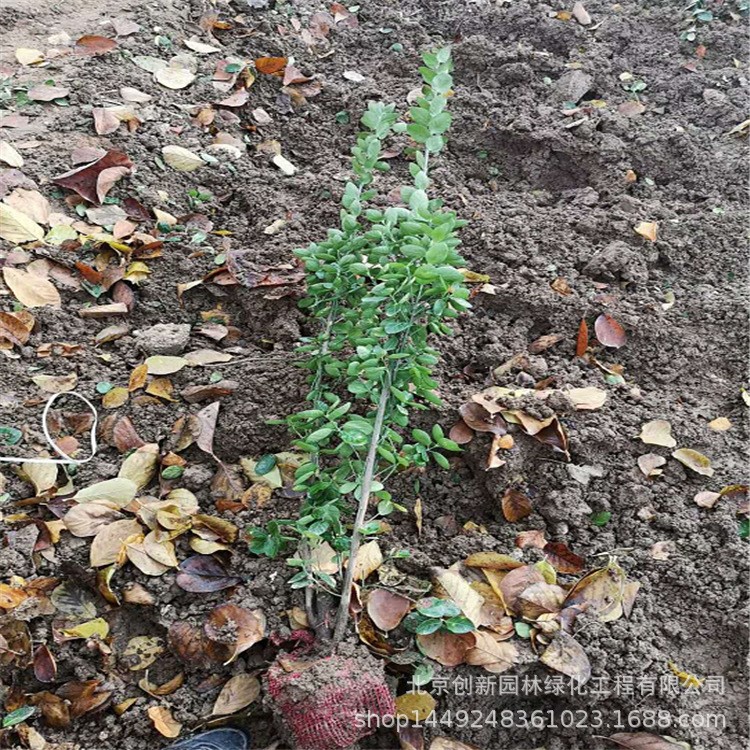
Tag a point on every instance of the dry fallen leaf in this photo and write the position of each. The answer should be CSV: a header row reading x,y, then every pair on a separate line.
x,y
369,559
720,424
173,77
662,550
9,155
707,499
658,432
515,505
18,228
181,159
238,693
448,649
56,383
645,741
647,229
415,707
248,626
462,594
609,332
107,545
649,464
587,399
386,609
164,722
162,364
695,461
494,655
567,656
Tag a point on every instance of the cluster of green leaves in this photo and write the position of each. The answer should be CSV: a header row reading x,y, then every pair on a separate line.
x,y
701,12
379,286
433,615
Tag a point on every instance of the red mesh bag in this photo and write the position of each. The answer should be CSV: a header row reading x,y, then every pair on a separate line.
x,y
320,700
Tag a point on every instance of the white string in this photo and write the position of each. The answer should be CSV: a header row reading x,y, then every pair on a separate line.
x,y
66,459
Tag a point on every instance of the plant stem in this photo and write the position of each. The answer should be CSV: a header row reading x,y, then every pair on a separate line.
x,y
342,615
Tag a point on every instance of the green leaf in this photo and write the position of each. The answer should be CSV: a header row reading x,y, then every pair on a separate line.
x,y
18,716
319,435
459,624
421,437
423,674
265,464
601,518
10,436
173,472
434,607
429,626
441,460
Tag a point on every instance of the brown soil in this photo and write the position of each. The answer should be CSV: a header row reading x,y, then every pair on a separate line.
x,y
546,197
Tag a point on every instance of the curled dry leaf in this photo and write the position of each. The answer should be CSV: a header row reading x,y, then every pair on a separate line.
x,y
237,627
369,559
492,561
566,655
387,609
720,424
658,432
587,398
515,583
142,651
609,332
107,546
87,519
582,340
462,594
533,538
45,667
600,593
141,465
649,464
662,550
191,645
479,419
164,722
9,155
695,461
167,688
238,693
93,181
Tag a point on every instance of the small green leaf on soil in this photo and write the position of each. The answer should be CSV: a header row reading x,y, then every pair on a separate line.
x,y
18,716
10,436
601,518
172,472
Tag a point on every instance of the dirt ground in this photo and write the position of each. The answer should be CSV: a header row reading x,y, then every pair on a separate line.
x,y
553,174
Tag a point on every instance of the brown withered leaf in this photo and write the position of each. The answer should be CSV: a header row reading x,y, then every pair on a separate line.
x,y
91,44
201,574
191,645
562,559
540,599
545,342
124,435
245,627
582,340
566,655
54,709
387,609
488,652
45,667
609,332
492,561
515,505
84,697
479,419
448,649
167,688
515,583
93,181
599,593
532,538
461,433
271,65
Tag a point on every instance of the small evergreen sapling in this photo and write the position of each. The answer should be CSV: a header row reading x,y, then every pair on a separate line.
x,y
379,286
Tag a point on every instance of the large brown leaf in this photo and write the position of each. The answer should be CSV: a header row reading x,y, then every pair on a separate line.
x,y
93,181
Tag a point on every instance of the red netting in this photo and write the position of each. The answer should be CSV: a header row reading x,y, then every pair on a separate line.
x,y
338,711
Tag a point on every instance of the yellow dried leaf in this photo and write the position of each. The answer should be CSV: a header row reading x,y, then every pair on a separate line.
x,y
115,398
27,56
141,465
238,693
28,288
142,651
181,159
161,387
415,707
162,364
458,589
720,424
369,559
138,377
647,229
695,461
161,717
108,543
118,492
97,627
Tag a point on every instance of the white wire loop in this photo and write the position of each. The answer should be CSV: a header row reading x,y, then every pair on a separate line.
x,y
66,459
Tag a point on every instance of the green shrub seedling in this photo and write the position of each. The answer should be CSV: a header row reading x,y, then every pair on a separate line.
x,y
379,286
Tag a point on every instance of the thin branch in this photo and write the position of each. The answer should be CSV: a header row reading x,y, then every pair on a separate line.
x,y
342,615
